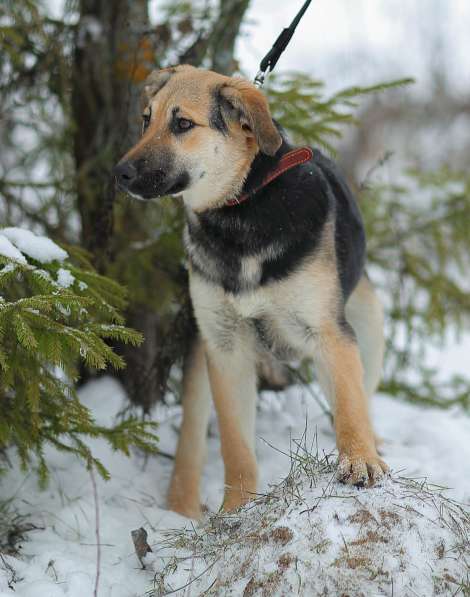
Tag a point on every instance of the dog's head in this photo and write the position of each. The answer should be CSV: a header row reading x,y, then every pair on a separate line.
x,y
200,133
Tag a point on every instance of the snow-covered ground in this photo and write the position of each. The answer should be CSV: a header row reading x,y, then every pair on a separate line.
x,y
61,559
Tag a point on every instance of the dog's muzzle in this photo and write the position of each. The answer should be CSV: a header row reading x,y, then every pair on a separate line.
x,y
124,174
146,182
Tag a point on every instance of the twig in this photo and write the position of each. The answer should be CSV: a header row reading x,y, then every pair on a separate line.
x,y
193,579
165,455
378,164
9,568
97,531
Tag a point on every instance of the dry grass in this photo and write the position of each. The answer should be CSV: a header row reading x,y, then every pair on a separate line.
x,y
309,535
13,528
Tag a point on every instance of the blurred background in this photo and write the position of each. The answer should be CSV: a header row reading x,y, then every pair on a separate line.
x,y
70,74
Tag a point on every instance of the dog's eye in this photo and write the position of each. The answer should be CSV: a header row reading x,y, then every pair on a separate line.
x,y
184,124
146,116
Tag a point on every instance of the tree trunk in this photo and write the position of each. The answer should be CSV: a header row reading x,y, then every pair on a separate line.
x,y
135,243
109,60
225,33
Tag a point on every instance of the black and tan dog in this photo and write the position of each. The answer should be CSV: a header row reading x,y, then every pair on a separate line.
x,y
276,253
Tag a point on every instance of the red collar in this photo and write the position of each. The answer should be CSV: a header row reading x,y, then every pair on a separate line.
x,y
289,160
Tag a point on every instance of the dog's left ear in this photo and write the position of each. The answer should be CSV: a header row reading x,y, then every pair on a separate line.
x,y
251,106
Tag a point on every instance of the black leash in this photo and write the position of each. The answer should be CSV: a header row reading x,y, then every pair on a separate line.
x,y
270,60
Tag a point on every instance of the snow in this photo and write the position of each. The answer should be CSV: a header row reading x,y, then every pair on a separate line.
x,y
40,248
65,278
61,559
10,251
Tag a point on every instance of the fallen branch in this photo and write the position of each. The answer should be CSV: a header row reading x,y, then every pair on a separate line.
x,y
97,530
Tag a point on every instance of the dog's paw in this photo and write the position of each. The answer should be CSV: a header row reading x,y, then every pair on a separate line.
x,y
236,498
361,471
193,511
184,501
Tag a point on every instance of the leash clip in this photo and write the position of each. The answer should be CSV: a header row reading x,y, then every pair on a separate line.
x,y
260,77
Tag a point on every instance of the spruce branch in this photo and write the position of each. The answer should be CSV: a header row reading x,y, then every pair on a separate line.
x,y
52,316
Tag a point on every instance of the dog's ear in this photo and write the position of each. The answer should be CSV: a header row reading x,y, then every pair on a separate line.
x,y
158,79
153,83
245,101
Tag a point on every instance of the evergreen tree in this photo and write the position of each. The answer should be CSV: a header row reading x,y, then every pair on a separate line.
x,y
55,310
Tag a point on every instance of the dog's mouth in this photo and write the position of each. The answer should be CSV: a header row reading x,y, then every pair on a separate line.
x,y
182,183
153,186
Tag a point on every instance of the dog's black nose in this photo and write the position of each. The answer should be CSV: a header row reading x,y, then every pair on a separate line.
x,y
124,173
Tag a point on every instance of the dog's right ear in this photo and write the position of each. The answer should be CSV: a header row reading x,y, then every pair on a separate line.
x,y
158,79
154,82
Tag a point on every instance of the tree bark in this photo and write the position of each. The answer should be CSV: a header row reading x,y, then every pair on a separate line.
x,y
115,51
219,44
225,33
108,62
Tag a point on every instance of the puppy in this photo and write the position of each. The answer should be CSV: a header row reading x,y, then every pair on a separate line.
x,y
276,251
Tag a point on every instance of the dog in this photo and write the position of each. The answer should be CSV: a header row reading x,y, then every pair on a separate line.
x,y
276,249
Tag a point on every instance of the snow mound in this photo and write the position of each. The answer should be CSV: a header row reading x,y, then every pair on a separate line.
x,y
15,241
311,536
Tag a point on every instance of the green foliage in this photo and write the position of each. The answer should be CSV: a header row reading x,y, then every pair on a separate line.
x,y
151,268
52,317
298,102
35,70
418,252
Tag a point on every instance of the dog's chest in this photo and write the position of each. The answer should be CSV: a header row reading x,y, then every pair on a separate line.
x,y
283,318
232,268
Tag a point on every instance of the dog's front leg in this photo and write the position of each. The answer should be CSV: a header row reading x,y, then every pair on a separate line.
x,y
341,376
232,374
183,494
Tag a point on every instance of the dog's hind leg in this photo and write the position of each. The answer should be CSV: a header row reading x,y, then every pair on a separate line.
x,y
365,314
183,496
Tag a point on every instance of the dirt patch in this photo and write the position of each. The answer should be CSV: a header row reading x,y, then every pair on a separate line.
x,y
440,550
285,561
370,537
267,586
270,583
389,519
281,535
356,562
361,517
353,549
